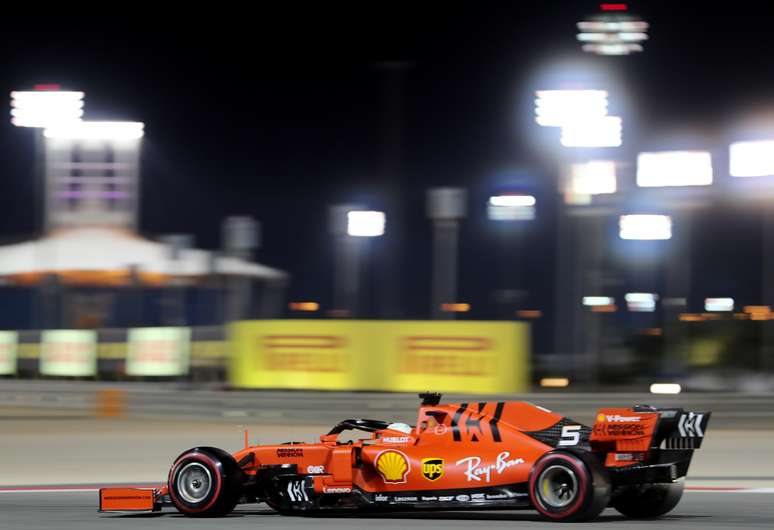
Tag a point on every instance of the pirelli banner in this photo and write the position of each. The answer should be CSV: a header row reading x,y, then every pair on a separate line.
x,y
158,352
68,353
9,344
404,356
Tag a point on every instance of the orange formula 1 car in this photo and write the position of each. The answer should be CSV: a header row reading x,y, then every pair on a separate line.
x,y
458,456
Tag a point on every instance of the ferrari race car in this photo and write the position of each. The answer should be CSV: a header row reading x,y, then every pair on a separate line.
x,y
458,456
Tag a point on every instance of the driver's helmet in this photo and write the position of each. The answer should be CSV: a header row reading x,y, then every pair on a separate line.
x,y
400,427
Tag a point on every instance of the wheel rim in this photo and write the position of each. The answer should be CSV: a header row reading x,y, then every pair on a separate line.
x,y
557,486
194,483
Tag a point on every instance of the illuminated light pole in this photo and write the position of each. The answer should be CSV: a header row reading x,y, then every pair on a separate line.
x,y
674,168
601,132
43,107
556,108
446,207
96,130
509,210
351,227
645,227
754,159
516,207
719,304
576,102
751,159
583,180
613,31
92,174
641,302
365,223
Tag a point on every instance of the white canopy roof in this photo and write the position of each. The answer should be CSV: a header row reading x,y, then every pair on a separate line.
x,y
104,249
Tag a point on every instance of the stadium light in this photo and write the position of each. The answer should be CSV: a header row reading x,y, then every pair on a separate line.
x,y
595,177
665,388
641,302
455,307
45,108
96,130
612,48
367,223
613,38
600,132
612,32
614,26
645,227
555,108
718,304
751,159
674,168
304,306
511,207
592,301
555,382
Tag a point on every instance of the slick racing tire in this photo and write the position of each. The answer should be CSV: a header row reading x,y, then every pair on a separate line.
x,y
649,500
569,486
205,482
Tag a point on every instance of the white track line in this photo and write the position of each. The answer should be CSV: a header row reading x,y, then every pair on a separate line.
x,y
70,489
699,489
50,490
94,489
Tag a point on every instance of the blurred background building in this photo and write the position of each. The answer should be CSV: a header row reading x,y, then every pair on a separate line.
x,y
597,184
91,268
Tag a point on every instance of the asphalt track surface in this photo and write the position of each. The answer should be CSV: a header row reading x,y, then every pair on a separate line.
x,y
42,510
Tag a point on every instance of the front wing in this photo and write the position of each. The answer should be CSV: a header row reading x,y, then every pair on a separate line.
x,y
133,499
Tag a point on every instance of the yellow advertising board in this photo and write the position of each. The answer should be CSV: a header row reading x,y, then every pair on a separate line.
x,y
298,354
447,356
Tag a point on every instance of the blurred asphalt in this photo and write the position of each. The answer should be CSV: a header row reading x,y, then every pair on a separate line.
x,y
77,511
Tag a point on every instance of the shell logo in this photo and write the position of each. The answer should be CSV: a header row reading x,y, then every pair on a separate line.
x,y
393,466
600,418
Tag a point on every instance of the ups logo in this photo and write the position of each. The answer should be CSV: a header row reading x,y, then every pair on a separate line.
x,y
432,468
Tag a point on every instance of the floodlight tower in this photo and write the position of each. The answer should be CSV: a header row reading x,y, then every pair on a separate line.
x,y
44,106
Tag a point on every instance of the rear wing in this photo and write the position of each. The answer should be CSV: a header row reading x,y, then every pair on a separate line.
x,y
648,445
680,428
642,428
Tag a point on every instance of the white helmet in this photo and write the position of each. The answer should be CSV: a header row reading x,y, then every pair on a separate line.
x,y
401,427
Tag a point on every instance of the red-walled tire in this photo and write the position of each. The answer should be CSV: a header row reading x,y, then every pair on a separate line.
x,y
205,482
569,486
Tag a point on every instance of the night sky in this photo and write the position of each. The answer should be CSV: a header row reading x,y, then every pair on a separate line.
x,y
279,112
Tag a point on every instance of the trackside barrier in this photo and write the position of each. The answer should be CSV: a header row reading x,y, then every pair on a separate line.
x,y
158,352
9,344
69,353
406,356
137,352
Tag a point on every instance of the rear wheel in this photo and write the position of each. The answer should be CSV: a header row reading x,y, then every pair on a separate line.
x,y
569,486
648,501
205,482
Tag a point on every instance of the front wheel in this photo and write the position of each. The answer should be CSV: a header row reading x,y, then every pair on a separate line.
x,y
648,501
205,482
569,486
